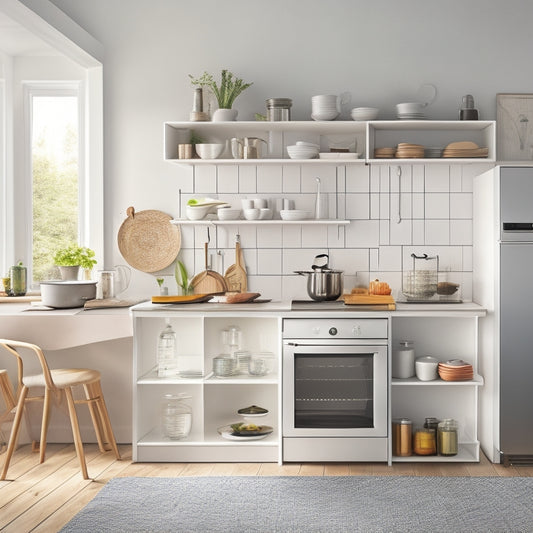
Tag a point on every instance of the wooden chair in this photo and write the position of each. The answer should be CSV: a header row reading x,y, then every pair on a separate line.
x,y
58,382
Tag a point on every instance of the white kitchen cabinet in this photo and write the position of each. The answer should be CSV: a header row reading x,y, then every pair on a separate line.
x,y
214,401
446,336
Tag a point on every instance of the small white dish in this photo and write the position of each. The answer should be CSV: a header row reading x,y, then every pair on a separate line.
x,y
198,212
225,213
426,368
265,213
294,214
251,214
209,150
308,145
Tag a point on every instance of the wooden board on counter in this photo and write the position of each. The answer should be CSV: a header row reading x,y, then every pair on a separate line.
x,y
19,299
386,301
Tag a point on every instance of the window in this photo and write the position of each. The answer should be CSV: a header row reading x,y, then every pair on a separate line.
x,y
55,174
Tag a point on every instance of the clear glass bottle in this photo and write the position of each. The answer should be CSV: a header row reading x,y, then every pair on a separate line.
x,y
447,437
176,416
167,353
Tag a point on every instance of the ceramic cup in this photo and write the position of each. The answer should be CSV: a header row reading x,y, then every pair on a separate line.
x,y
426,368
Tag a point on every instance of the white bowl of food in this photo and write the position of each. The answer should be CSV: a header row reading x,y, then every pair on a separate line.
x,y
209,150
197,212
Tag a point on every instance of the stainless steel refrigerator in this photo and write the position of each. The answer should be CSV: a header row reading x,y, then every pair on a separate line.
x,y
503,282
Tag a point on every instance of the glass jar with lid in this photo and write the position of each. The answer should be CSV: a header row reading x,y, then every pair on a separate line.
x,y
176,416
402,431
424,441
447,437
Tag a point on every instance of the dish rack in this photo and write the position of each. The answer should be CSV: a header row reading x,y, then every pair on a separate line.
x,y
420,283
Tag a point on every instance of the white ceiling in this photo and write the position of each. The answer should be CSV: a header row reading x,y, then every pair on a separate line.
x,y
16,40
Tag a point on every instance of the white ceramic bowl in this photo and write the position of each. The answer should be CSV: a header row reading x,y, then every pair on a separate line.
x,y
197,212
294,214
409,108
426,368
228,213
265,213
209,150
309,145
365,113
325,115
251,214
302,152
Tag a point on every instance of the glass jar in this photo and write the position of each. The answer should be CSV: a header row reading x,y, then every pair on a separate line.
x,y
278,109
176,416
402,430
433,423
19,278
447,437
167,353
424,441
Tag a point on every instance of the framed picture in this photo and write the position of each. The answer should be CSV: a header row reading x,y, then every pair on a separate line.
x,y
514,127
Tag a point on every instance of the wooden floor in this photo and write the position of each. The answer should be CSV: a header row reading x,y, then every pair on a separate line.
x,y
43,498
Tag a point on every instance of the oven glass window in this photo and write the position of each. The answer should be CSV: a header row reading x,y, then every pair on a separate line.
x,y
334,390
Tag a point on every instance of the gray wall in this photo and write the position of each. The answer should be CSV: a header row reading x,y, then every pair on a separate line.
x,y
380,51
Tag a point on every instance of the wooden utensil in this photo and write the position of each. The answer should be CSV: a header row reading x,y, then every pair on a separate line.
x,y
208,281
242,297
235,275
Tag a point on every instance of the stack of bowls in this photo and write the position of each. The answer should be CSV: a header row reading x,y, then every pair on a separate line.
x,y
410,111
365,113
224,365
324,107
302,151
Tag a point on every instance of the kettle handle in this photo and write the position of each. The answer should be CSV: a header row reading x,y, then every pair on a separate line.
x,y
321,267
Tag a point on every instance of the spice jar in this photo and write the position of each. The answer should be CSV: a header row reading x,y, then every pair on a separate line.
x,y
447,437
278,109
402,437
424,442
176,416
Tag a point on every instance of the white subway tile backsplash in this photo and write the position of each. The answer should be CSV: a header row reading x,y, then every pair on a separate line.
x,y
374,205
374,259
384,232
384,179
298,259
292,236
418,178
390,258
400,232
468,259
375,173
291,179
363,233
418,205
437,178
418,232
269,179
336,236
267,286
350,261
294,287
384,206
313,236
437,205
461,205
456,178
269,262
247,179
269,236
437,232
357,206
358,179
461,232
205,179
227,178
327,175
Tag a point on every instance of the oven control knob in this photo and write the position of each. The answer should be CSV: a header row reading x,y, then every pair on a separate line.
x,y
356,330
333,331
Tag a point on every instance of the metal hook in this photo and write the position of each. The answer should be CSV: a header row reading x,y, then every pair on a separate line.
x,y
208,236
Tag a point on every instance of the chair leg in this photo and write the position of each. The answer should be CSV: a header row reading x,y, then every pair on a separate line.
x,y
44,425
14,430
76,432
104,417
91,393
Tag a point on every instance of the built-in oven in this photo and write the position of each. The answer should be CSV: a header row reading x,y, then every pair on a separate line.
x,y
335,389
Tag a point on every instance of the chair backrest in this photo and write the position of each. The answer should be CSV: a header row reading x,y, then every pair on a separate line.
x,y
19,349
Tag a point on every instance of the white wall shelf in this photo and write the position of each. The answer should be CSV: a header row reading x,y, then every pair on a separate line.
x,y
307,222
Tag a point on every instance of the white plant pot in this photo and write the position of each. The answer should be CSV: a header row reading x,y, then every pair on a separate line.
x,y
225,115
69,273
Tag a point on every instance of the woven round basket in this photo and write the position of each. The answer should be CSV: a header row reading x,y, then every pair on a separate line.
x,y
148,241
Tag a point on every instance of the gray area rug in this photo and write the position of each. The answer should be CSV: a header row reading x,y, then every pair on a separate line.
x,y
309,504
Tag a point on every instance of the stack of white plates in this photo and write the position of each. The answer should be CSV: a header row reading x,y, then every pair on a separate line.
x,y
324,107
298,151
410,111
365,113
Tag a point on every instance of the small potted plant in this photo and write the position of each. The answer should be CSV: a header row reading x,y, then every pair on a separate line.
x,y
182,279
72,258
225,93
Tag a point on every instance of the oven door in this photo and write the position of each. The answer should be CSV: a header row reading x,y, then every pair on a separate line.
x,y
335,389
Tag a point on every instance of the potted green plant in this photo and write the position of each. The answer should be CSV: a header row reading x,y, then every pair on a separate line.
x,y
72,258
225,93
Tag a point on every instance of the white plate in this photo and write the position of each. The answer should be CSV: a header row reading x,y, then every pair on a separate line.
x,y
229,436
294,214
338,155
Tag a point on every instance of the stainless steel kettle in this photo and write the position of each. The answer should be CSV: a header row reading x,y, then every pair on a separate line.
x,y
323,283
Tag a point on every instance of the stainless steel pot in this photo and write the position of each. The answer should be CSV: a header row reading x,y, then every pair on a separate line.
x,y
67,294
323,283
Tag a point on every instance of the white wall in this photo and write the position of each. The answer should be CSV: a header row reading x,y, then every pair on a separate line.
x,y
379,51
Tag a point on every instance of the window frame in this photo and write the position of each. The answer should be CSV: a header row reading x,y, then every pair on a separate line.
x,y
52,89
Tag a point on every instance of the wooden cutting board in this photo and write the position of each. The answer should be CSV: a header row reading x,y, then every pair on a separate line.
x,y
235,275
182,299
209,281
370,299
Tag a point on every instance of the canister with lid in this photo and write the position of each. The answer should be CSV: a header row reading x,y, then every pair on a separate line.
x,y
402,431
176,416
278,109
403,361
